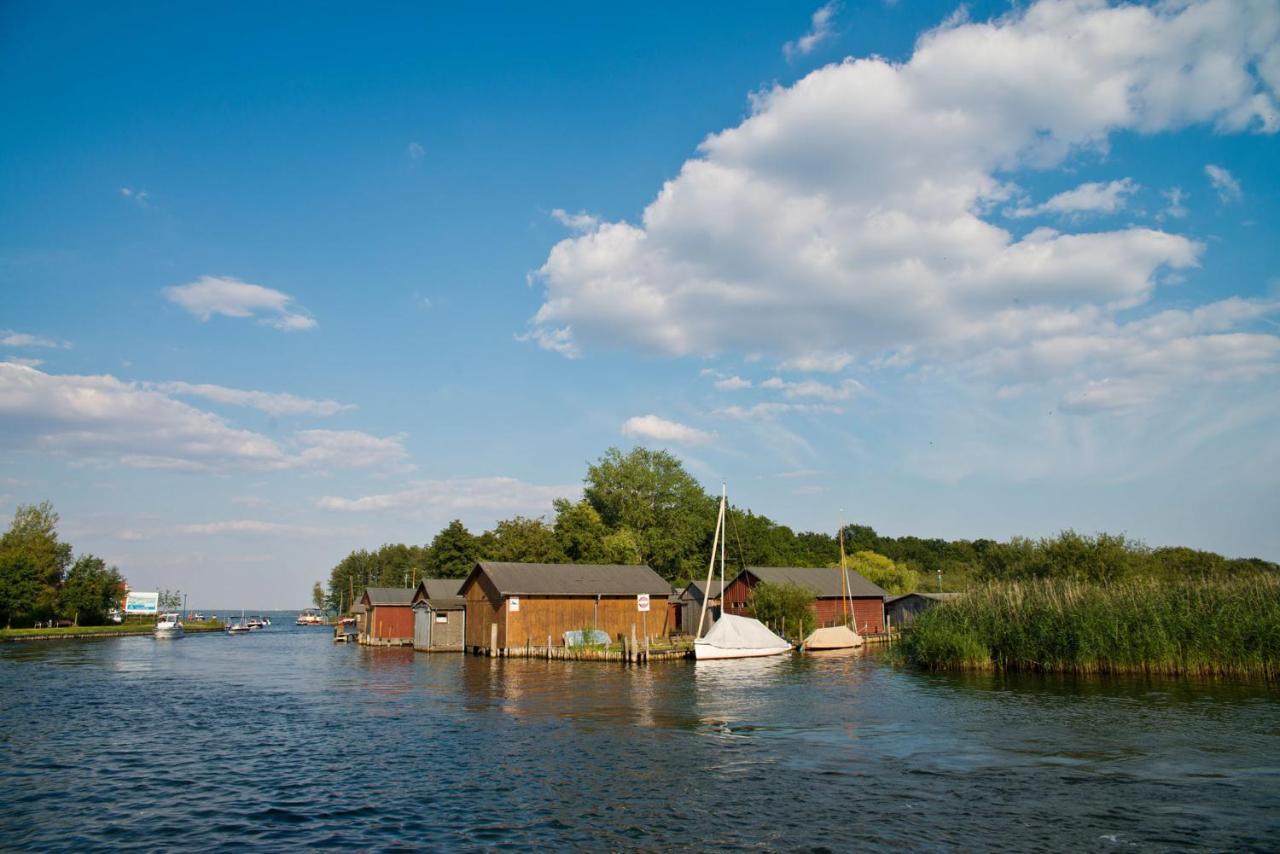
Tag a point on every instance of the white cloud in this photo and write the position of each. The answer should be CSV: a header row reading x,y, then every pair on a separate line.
x,y
812,388
734,383
101,419
9,338
210,295
819,31
556,340
848,213
496,495
1176,208
662,430
25,361
1225,183
138,196
1093,197
272,403
827,363
415,151
771,410
580,222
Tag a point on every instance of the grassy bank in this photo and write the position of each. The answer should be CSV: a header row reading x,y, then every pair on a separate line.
x,y
124,630
1224,627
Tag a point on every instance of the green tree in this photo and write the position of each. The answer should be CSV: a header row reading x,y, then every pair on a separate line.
x,y
650,492
19,588
524,540
318,597
622,547
580,531
787,604
895,578
453,553
90,591
34,533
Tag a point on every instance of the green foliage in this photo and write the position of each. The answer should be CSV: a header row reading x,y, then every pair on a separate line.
x,y
1228,625
318,596
1103,557
19,587
650,493
788,605
525,540
453,553
622,547
33,534
895,578
580,531
90,590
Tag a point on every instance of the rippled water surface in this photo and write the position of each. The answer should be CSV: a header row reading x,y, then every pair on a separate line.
x,y
284,739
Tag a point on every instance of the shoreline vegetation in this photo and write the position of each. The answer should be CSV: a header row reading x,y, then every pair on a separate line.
x,y
131,629
1226,626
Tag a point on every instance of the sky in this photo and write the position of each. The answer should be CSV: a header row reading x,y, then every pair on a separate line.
x,y
279,281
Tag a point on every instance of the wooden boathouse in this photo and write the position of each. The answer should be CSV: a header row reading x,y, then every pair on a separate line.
x,y
534,604
867,599
901,611
439,615
388,616
689,605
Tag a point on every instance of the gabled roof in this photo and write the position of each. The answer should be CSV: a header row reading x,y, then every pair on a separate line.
x,y
388,595
937,597
439,589
825,583
570,579
694,589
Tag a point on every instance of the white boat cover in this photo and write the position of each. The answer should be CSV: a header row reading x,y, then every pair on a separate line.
x,y
734,632
833,637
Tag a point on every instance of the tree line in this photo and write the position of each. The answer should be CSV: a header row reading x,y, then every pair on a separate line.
x,y
643,507
41,579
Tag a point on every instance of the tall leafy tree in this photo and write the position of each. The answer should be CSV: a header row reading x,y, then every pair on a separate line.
x,y
580,531
526,540
650,493
453,553
34,533
90,591
19,587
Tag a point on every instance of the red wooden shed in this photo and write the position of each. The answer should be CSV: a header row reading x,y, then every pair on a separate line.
x,y
389,621
867,599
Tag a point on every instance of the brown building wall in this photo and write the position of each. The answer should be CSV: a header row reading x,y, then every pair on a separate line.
x,y
868,612
543,616
391,622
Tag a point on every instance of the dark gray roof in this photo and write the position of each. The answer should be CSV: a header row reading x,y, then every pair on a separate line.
x,y
825,583
389,595
440,588
453,603
571,579
937,597
358,608
694,589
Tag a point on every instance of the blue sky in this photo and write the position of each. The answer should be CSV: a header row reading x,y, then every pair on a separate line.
x,y
276,283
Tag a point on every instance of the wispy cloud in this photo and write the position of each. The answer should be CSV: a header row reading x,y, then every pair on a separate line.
x,y
1093,197
138,197
229,297
415,151
812,388
1227,187
491,495
734,383
663,430
580,222
556,340
272,403
819,31
10,338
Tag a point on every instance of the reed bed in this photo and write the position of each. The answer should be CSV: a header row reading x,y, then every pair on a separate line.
x,y
1229,626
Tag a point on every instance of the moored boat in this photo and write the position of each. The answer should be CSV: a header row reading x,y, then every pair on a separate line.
x,y
310,617
832,637
169,626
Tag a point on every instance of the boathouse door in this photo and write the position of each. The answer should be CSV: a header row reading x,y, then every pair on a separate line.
x,y
422,627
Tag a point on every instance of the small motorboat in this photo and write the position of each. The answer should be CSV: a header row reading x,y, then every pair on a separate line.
x,y
169,627
241,627
255,623
310,617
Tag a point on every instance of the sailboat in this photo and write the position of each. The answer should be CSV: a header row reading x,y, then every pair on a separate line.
x,y
239,628
732,636
836,637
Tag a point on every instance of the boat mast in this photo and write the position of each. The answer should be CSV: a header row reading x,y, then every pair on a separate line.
x,y
711,569
845,592
724,509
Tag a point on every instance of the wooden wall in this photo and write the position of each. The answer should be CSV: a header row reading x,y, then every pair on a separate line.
x,y
391,621
540,616
868,611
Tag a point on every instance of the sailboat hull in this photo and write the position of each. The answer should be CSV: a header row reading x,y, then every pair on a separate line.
x,y
708,652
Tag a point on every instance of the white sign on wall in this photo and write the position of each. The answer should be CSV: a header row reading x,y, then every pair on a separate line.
x,y
142,603
642,602
515,603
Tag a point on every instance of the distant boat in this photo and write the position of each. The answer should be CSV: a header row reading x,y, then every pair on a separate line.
x,y
732,636
310,617
169,627
255,622
240,628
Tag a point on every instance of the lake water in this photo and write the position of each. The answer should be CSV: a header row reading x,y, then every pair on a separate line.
x,y
283,738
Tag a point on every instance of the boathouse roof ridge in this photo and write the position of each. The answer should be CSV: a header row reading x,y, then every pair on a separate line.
x,y
697,585
823,582
937,597
389,595
440,589
572,579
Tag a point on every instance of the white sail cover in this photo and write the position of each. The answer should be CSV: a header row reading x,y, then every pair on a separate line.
x,y
739,637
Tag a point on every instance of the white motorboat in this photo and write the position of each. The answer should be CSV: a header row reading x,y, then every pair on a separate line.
x,y
732,636
169,626
310,617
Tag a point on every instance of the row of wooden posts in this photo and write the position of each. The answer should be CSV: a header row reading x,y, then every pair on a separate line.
x,y
634,650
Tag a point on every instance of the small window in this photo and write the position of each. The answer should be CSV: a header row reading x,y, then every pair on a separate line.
x,y
442,617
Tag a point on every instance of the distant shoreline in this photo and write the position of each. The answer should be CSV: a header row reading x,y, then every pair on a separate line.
x,y
89,632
